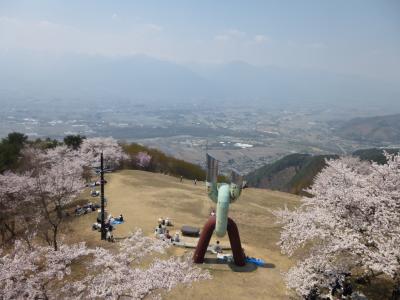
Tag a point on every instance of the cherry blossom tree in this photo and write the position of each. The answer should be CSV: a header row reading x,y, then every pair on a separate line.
x,y
351,222
143,159
116,275
16,212
44,273
33,272
58,181
91,148
53,181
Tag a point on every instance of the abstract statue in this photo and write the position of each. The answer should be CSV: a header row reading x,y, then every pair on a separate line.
x,y
222,194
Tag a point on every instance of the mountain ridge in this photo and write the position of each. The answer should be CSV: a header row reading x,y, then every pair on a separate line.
x,y
142,78
376,129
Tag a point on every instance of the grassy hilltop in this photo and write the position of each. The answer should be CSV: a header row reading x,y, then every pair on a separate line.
x,y
143,197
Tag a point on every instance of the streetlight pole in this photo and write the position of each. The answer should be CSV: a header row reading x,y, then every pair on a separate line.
x,y
103,228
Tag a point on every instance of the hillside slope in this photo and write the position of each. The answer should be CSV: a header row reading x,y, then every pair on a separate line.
x,y
372,129
291,173
296,172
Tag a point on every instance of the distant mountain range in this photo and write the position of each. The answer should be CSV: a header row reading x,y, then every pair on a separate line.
x,y
140,78
380,129
296,172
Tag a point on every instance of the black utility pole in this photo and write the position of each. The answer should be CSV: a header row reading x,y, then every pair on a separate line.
x,y
103,228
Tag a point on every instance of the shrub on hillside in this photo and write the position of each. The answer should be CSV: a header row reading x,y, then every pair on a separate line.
x,y
162,163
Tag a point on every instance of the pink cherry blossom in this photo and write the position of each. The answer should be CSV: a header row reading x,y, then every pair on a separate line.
x,y
143,159
78,272
351,221
91,148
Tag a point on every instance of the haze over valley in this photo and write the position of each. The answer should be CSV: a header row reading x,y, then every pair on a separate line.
x,y
249,90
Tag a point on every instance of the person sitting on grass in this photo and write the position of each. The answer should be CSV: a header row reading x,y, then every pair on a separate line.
x,y
217,248
109,235
176,237
96,226
158,230
78,210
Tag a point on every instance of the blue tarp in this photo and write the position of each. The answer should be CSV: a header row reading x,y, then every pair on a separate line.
x,y
256,261
116,222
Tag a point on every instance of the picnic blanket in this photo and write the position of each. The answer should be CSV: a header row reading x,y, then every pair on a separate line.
x,y
116,222
225,257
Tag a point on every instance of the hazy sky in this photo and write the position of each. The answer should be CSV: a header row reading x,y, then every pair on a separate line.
x,y
354,37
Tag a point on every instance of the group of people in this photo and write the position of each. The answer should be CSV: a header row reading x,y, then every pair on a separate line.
x,y
109,224
162,232
339,289
95,183
94,193
165,222
87,208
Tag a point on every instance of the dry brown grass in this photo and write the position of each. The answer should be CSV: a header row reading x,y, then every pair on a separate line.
x,y
142,197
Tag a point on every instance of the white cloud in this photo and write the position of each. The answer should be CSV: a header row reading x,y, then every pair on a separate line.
x,y
236,33
114,16
260,38
230,35
153,27
316,45
222,37
43,35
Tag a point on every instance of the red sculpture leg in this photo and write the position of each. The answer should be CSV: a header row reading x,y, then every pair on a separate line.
x,y
204,240
234,239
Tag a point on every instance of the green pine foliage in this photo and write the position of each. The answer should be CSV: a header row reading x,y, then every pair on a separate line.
x,y
10,148
374,154
73,141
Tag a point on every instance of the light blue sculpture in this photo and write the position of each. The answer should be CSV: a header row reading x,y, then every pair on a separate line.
x,y
222,194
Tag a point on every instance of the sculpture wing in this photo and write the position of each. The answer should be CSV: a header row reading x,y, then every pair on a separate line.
x,y
236,177
212,169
